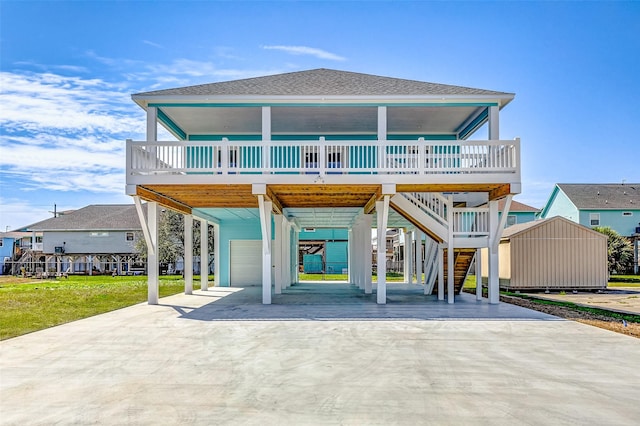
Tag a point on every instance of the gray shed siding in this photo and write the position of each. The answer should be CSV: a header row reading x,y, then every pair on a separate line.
x,y
82,242
556,254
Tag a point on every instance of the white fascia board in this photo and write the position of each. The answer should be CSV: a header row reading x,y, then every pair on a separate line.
x,y
143,101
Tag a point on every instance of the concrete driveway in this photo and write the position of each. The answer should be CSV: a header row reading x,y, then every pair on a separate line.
x,y
321,354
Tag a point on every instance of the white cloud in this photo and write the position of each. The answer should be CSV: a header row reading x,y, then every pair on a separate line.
x,y
150,43
305,50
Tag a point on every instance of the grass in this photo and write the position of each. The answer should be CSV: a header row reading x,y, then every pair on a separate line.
x,y
31,305
573,306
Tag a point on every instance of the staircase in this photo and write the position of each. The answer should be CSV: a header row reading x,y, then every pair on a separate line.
x,y
461,263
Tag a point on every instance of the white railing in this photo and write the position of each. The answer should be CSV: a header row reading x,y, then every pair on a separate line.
x,y
471,221
432,204
323,157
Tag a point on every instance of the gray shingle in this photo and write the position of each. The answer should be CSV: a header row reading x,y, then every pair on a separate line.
x,y
93,217
603,196
325,82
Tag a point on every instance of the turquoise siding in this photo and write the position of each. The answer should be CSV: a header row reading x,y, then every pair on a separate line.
x,y
337,256
248,229
324,234
6,250
560,205
522,217
624,225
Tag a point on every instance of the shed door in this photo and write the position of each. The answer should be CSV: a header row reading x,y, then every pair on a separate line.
x,y
246,263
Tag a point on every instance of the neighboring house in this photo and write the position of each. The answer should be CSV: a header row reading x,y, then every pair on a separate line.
x,y
552,254
262,158
614,205
324,250
93,239
519,213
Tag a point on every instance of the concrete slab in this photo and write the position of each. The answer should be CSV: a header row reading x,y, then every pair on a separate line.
x,y
220,357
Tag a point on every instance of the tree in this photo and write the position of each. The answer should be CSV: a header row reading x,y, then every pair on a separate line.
x,y
171,238
619,251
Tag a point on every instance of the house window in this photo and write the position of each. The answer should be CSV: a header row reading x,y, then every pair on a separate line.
x,y
627,213
511,220
594,219
1,242
99,234
129,236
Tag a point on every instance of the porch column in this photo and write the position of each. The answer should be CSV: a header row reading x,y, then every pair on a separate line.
x,y
440,271
382,209
493,272
204,255
153,267
266,137
494,123
265,225
479,274
350,256
278,258
450,253
367,222
357,263
296,256
188,254
152,124
216,252
419,262
408,256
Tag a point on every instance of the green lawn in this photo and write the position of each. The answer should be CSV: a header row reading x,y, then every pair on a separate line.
x,y
30,306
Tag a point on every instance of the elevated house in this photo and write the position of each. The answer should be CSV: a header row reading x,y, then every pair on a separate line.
x,y
261,159
93,239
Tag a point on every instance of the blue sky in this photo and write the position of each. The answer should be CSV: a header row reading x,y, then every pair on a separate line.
x,y
68,69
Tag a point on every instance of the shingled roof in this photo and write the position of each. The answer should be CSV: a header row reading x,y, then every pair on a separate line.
x,y
101,217
324,82
603,196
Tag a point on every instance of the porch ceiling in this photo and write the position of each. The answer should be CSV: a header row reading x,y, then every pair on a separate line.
x,y
320,120
312,205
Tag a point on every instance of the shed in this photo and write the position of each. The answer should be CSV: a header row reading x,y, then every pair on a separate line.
x,y
553,253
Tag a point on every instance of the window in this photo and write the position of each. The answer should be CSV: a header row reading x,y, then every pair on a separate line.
x,y
130,236
594,219
1,242
512,220
627,213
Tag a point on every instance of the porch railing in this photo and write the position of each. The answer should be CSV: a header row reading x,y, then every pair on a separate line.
x,y
323,157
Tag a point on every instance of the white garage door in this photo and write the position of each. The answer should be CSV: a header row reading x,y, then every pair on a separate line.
x,y
246,263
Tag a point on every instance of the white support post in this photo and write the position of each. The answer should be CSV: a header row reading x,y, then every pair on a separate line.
x,y
382,135
382,209
450,254
216,253
204,255
440,272
278,258
153,267
494,123
408,256
188,254
417,236
479,274
265,225
366,256
493,272
286,255
350,256
152,124
266,137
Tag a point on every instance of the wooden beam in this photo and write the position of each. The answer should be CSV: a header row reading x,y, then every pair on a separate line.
x,y
147,195
370,206
499,192
277,205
